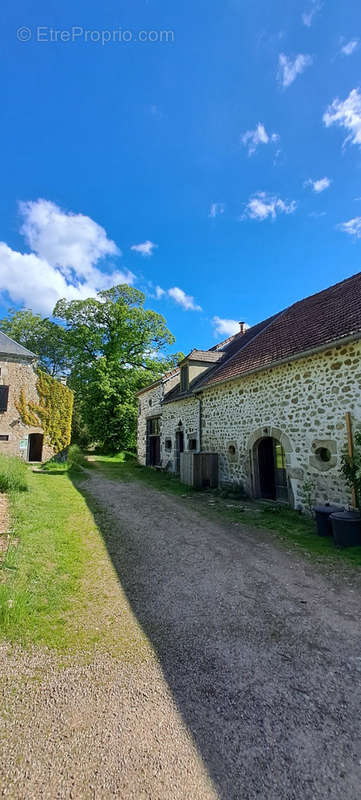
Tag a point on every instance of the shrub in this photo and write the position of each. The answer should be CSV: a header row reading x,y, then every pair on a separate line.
x,y
13,474
76,457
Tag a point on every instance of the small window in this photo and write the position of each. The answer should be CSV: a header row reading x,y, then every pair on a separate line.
x,y
323,454
184,378
168,444
154,426
232,450
4,396
150,401
192,444
4,437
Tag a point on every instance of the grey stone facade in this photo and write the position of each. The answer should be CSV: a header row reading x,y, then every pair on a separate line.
x,y
301,404
18,372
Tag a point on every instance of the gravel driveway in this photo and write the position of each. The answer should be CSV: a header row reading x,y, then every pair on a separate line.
x,y
249,688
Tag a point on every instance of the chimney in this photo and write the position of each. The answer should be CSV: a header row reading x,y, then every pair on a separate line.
x,y
242,327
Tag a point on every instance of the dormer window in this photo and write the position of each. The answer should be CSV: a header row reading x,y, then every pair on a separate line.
x,y
184,378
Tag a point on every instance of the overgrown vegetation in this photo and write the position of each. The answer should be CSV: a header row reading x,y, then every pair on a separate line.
x,y
13,474
53,413
75,460
351,466
109,346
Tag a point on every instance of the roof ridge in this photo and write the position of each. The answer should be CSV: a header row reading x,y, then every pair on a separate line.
x,y
250,341
322,291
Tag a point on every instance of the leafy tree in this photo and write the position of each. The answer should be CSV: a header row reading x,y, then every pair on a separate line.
x,y
42,336
115,346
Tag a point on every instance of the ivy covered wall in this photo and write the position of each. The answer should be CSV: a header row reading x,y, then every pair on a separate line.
x,y
53,412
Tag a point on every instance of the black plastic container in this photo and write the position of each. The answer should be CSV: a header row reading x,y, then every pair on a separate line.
x,y
323,522
346,528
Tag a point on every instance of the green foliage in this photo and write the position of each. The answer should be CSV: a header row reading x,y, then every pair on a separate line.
x,y
116,349
110,346
307,495
351,467
76,457
42,336
53,413
13,474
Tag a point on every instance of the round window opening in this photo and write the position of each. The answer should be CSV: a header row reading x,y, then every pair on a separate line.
x,y
150,402
323,454
232,450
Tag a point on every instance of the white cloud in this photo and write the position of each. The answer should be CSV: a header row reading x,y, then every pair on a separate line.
x,y
307,16
70,241
263,205
346,114
288,69
252,139
352,227
216,209
349,47
225,327
317,214
159,292
320,185
145,248
183,299
67,249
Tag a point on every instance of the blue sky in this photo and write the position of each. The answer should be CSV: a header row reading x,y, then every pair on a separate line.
x,y
234,148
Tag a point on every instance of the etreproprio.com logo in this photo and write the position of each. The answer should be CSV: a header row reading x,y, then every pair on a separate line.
x,y
77,33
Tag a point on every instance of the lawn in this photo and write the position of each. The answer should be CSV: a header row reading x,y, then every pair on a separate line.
x,y
57,584
291,527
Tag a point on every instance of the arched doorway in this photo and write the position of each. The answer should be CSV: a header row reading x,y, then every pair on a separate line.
x,y
272,470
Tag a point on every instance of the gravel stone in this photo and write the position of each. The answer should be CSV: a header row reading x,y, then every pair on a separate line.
x,y
250,687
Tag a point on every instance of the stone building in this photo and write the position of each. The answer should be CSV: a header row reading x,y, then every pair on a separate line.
x,y
271,401
18,373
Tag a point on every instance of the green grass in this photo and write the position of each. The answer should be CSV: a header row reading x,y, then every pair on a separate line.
x,y
13,474
57,584
75,460
125,467
291,527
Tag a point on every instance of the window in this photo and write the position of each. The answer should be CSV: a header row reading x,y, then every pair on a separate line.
x,y
280,456
192,444
168,444
323,454
184,379
154,426
4,437
232,450
4,396
150,401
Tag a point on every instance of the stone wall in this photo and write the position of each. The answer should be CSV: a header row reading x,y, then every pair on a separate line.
x,y
182,415
17,374
302,404
149,405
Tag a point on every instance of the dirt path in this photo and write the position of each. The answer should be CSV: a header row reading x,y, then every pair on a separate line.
x,y
250,686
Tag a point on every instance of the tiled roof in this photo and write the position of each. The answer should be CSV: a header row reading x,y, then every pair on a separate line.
x,y
209,356
163,379
315,322
10,348
229,347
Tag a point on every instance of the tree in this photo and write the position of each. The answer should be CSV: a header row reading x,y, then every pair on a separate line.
x,y
115,346
40,335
